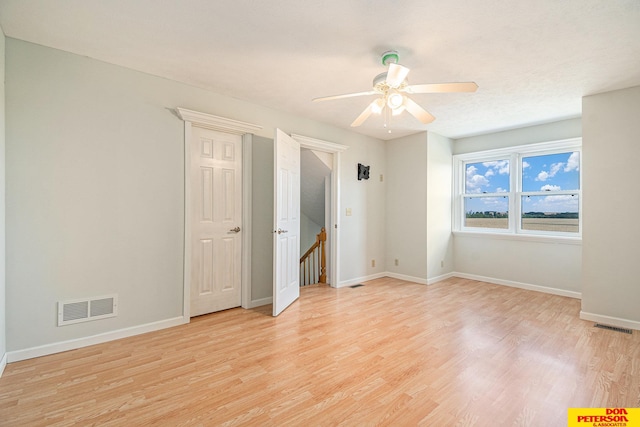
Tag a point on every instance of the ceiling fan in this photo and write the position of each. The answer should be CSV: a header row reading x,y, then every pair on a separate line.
x,y
393,88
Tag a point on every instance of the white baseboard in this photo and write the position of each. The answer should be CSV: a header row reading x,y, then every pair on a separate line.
x,y
3,363
398,276
527,286
437,279
355,281
260,302
44,350
611,321
407,278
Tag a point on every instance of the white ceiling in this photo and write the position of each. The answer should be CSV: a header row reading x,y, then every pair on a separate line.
x,y
532,60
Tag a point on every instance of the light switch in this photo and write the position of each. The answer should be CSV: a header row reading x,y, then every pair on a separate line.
x,y
348,211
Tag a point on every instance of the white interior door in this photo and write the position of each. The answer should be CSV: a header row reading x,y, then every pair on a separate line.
x,y
286,250
216,243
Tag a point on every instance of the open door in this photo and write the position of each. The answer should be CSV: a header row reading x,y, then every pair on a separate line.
x,y
286,242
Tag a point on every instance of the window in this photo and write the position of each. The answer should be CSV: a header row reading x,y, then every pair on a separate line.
x,y
486,194
533,189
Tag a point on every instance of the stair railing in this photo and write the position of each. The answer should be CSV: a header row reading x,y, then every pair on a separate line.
x,y
313,264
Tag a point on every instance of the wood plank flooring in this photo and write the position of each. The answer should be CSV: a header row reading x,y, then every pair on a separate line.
x,y
389,353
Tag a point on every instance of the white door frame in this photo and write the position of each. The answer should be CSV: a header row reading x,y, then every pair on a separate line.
x,y
208,121
336,150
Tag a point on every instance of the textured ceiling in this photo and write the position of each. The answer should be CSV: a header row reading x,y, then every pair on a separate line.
x,y
532,60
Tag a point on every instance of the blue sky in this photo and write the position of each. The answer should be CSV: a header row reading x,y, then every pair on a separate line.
x,y
552,172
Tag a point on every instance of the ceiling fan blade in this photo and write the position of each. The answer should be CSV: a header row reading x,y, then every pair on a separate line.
x,y
396,75
442,87
364,115
346,95
417,111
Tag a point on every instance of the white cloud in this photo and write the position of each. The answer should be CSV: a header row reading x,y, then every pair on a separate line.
x,y
573,164
525,165
501,190
474,182
501,166
498,204
558,203
489,173
549,187
542,176
555,168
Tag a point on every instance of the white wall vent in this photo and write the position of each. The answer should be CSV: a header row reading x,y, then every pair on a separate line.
x,y
83,310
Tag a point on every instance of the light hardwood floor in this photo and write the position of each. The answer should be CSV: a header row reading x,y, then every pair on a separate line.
x,y
395,353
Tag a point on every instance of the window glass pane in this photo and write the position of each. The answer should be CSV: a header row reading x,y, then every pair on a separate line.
x,y
486,212
487,177
551,172
558,212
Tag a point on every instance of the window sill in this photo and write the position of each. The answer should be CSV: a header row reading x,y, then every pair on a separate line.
x,y
569,240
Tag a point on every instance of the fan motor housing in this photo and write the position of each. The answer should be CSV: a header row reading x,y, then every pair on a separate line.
x,y
380,83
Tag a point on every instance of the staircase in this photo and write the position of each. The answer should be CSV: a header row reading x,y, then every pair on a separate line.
x,y
313,264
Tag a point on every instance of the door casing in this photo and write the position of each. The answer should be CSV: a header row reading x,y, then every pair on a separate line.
x,y
208,121
223,124
336,150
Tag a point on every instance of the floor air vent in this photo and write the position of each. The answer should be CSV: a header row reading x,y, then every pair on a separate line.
x,y
84,310
356,286
613,328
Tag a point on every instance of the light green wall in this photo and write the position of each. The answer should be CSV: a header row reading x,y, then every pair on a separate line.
x,y
611,237
544,264
3,344
406,210
262,219
554,131
308,232
439,198
95,190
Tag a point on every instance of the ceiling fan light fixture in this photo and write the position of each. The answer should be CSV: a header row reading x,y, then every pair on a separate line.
x,y
395,100
393,91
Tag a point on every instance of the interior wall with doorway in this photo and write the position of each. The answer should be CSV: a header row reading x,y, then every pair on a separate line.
x,y
95,195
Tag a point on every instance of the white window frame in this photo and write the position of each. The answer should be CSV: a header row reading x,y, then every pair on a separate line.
x,y
514,155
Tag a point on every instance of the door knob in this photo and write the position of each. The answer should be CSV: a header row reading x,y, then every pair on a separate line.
x,y
235,230
280,231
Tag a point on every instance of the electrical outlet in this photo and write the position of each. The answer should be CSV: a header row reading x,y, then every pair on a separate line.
x,y
441,264
373,263
381,178
397,262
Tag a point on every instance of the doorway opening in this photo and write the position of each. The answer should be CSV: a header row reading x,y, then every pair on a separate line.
x,y
315,216
332,204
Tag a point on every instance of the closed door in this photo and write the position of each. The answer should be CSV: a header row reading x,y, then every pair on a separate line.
x,y
216,182
286,260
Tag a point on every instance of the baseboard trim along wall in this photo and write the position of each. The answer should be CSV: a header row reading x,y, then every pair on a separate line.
x,y
3,363
611,321
45,350
357,280
440,278
260,302
407,278
520,285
